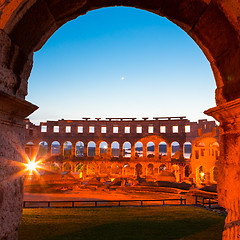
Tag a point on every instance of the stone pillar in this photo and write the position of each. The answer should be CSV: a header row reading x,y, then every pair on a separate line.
x,y
73,151
13,111
85,153
169,150
156,149
144,150
97,150
132,150
120,150
228,114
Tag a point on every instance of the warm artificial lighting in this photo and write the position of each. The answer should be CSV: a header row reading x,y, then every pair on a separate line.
x,y
32,166
202,174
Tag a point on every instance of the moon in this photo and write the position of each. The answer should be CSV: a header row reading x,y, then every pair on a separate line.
x,y
122,78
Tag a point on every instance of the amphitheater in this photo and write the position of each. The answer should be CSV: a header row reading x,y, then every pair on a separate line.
x,y
158,149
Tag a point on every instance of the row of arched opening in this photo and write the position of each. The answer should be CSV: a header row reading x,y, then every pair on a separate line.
x,y
127,169
115,151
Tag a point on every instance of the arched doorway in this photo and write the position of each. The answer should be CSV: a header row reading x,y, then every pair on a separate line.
x,y
205,22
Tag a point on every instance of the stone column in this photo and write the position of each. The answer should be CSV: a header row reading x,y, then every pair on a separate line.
x,y
156,149
85,148
97,150
12,137
120,150
144,150
228,115
132,150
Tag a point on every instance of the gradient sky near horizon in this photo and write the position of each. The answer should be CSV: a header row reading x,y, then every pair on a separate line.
x,y
120,62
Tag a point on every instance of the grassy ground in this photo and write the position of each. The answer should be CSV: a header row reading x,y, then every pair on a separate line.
x,y
121,224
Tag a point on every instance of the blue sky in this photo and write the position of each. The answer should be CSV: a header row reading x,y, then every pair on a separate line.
x,y
120,62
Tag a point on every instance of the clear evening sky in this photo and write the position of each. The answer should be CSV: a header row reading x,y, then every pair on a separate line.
x,y
120,62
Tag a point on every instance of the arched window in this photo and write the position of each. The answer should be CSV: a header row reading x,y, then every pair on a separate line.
x,y
162,167
66,167
91,150
79,151
174,147
150,169
103,148
67,149
55,150
201,174
150,149
115,149
127,150
138,169
43,148
79,167
115,169
187,148
29,149
187,171
162,149
138,149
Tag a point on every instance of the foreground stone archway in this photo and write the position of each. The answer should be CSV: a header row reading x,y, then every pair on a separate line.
x,y
25,25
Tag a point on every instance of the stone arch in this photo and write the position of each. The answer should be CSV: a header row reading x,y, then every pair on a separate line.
x,y
91,149
162,167
138,149
115,149
138,169
67,149
150,149
163,148
150,169
79,149
24,29
115,169
30,149
55,148
175,146
103,147
66,167
187,171
187,149
43,149
127,149
197,18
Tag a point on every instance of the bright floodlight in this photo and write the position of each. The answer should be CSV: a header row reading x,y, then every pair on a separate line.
x,y
32,166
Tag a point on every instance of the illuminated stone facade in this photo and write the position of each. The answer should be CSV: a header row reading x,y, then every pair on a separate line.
x,y
120,147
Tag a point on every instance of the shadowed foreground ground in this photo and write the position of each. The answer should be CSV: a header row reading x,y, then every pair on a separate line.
x,y
121,223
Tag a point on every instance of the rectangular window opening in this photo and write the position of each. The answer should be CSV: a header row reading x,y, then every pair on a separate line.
x,y
68,129
150,129
80,129
56,129
163,129
115,129
175,129
139,130
103,129
43,128
187,129
127,130
91,129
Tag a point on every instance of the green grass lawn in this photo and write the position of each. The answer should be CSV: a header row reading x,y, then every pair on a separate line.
x,y
121,224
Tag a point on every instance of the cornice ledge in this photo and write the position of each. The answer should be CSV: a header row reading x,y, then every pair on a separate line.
x,y
14,110
227,112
